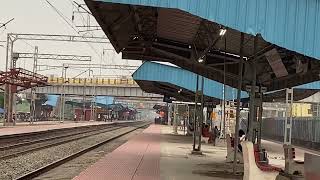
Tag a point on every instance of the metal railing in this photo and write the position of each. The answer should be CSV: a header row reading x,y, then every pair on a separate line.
x,y
305,131
90,81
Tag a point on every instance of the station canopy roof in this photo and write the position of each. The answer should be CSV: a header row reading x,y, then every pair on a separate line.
x,y
300,93
179,83
184,31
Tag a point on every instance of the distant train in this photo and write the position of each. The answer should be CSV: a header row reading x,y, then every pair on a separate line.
x,y
116,112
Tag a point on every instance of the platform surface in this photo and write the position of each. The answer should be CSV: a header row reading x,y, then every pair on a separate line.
x,y
26,127
158,154
137,159
276,156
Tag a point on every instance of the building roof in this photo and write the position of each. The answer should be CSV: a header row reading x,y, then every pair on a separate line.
x,y
168,80
180,31
290,24
300,92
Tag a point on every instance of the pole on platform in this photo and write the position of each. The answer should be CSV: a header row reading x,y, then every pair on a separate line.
x,y
64,93
224,88
33,90
317,110
175,127
6,91
288,131
260,120
201,113
8,88
252,111
94,103
61,95
236,139
195,115
185,121
84,100
188,117
169,113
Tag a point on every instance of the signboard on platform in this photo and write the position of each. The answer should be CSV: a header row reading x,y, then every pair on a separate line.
x,y
257,89
167,99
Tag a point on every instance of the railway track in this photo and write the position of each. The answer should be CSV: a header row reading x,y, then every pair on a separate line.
x,y
50,142
17,149
26,137
77,154
28,142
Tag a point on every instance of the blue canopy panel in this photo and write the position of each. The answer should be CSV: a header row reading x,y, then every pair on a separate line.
x,y
151,71
311,86
52,100
106,100
292,24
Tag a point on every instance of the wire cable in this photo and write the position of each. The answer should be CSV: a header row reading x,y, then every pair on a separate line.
x,y
65,19
74,28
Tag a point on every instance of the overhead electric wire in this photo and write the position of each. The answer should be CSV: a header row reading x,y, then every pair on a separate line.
x,y
4,24
66,20
79,5
74,28
84,21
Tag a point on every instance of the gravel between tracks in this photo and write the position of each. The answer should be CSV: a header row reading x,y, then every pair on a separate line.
x,y
74,167
15,167
48,134
55,140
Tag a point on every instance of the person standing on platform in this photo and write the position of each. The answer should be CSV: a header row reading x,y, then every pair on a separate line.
x,y
181,124
242,136
215,134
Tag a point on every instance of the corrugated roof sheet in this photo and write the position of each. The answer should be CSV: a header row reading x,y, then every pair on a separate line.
x,y
151,71
292,24
171,22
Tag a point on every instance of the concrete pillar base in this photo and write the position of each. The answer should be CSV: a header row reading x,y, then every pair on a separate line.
x,y
9,124
283,176
280,177
196,152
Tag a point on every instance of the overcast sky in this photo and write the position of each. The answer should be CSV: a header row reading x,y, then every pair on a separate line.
x,y
37,16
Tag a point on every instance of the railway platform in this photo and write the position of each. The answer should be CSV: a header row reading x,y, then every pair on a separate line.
x,y
158,154
26,127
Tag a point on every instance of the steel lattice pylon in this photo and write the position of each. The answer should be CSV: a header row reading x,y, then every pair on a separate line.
x,y
11,62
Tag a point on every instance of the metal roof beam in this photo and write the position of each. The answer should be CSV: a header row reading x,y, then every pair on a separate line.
x,y
59,57
213,41
221,64
55,37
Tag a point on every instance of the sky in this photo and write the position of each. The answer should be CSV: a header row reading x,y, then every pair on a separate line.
x,y
38,17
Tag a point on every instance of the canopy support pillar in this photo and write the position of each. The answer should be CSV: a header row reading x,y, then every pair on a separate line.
x,y
238,105
175,120
288,132
252,108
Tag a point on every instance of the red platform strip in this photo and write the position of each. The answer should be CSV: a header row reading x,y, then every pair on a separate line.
x,y
137,159
263,167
